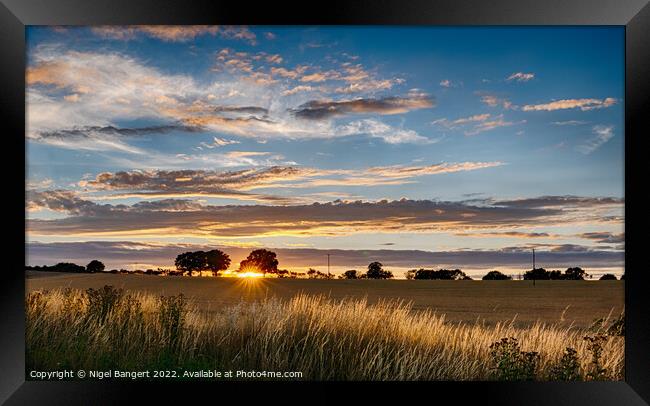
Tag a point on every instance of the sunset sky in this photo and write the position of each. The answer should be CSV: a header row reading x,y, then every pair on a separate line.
x,y
413,146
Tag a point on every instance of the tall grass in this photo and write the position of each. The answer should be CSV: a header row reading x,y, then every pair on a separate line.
x,y
322,338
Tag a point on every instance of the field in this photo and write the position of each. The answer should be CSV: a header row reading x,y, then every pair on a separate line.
x,y
326,329
565,303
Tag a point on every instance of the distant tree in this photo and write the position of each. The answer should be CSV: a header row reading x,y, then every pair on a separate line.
x,y
351,274
608,277
216,261
191,261
496,276
410,275
376,271
556,275
94,266
263,260
283,273
67,267
575,274
443,274
537,274
467,278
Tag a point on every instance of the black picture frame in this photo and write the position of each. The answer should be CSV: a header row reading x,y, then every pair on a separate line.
x,y
16,14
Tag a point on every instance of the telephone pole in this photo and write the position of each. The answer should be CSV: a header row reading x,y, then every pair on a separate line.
x,y
533,266
328,266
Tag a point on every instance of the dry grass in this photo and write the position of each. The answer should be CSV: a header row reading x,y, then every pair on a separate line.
x,y
325,339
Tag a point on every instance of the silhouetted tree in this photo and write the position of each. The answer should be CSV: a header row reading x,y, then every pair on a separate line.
x,y
94,266
376,271
496,276
537,274
351,274
410,275
443,274
216,261
608,277
623,277
311,273
575,274
191,261
556,275
264,260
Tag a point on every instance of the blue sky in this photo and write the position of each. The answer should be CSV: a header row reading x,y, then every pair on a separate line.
x,y
490,139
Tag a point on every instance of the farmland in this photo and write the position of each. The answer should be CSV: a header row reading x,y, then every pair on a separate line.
x,y
563,303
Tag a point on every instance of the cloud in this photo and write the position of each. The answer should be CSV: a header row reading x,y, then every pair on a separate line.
x,y
174,33
582,104
569,122
320,110
237,184
121,254
602,134
114,88
96,138
219,142
498,122
337,218
451,124
604,237
521,77
388,134
494,101
445,83
508,234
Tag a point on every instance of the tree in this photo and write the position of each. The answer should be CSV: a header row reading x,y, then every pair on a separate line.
x,y
216,261
608,277
376,271
537,274
410,275
262,260
575,274
351,274
496,276
444,274
191,261
94,266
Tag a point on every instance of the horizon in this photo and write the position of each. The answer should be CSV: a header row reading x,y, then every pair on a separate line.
x,y
442,147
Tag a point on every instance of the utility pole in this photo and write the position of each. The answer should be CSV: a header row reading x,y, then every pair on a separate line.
x,y
533,266
328,266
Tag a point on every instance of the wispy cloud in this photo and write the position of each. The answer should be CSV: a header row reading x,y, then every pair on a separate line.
x,y
521,77
582,104
174,33
601,134
320,109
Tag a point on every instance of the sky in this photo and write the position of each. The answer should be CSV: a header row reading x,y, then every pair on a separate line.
x,y
461,147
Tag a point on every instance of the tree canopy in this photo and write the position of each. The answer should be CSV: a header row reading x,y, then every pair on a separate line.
x,y
263,260
376,271
444,274
95,266
496,276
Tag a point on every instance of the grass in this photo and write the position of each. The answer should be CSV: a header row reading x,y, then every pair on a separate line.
x,y
564,303
324,338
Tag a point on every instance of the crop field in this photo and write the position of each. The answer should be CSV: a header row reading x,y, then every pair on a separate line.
x,y
562,303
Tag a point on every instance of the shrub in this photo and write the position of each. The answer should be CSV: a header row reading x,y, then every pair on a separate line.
x,y
568,368
102,301
509,363
595,346
171,316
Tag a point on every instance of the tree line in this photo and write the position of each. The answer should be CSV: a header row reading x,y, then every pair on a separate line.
x,y
266,262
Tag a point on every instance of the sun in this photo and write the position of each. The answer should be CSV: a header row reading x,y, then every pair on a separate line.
x,y
247,272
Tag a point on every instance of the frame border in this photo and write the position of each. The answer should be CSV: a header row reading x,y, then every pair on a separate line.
x,y
633,14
